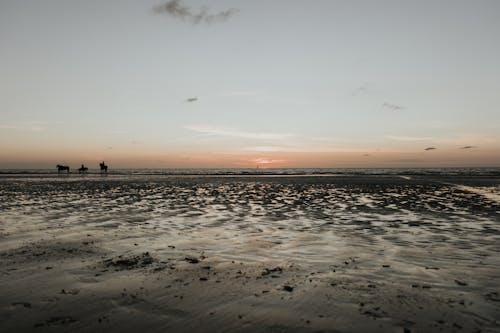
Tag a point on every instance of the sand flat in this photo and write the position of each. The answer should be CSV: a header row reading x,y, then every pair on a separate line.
x,y
249,253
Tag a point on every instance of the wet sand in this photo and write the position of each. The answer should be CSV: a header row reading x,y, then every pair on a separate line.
x,y
250,254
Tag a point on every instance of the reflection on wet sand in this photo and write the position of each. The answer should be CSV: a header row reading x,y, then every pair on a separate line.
x,y
279,253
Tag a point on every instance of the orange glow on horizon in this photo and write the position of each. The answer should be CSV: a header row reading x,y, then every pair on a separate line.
x,y
34,158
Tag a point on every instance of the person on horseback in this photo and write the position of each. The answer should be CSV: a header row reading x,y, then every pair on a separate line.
x,y
83,169
103,167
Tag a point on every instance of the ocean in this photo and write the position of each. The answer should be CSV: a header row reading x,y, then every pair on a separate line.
x,y
492,171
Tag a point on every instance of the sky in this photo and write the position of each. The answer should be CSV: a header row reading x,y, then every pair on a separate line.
x,y
224,84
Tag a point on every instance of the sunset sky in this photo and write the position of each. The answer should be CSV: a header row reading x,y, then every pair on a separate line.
x,y
283,83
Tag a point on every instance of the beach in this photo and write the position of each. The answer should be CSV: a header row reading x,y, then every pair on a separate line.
x,y
250,253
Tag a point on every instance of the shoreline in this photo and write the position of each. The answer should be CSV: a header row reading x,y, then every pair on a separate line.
x,y
397,171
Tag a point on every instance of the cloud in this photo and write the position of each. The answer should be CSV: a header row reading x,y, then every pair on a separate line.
x,y
272,149
267,161
408,138
33,126
175,8
430,148
393,107
191,99
231,132
464,140
298,145
265,142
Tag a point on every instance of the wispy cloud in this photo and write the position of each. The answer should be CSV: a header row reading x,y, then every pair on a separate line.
x,y
32,126
272,149
465,140
393,107
264,142
408,138
267,161
231,132
175,8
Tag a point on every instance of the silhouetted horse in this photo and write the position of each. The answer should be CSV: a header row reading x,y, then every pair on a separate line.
x,y
83,169
104,167
62,168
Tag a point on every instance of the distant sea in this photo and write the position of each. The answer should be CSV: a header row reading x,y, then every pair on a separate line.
x,y
486,171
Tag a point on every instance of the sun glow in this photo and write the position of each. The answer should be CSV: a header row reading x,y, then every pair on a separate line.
x,y
268,162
